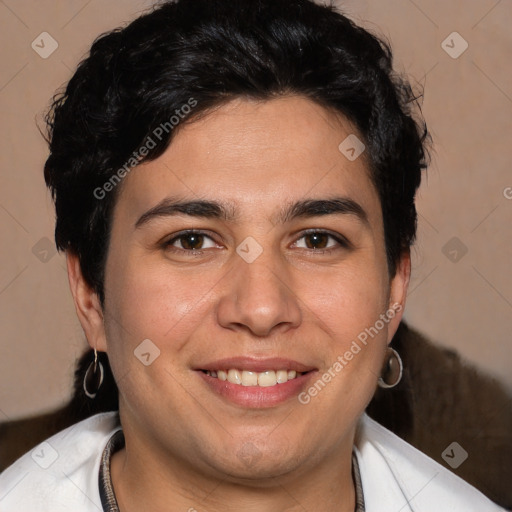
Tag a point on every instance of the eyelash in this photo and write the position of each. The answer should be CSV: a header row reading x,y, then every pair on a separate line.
x,y
343,242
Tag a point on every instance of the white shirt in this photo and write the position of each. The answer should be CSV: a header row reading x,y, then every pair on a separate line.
x,y
61,474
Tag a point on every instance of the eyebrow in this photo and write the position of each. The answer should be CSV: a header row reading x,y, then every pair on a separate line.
x,y
226,211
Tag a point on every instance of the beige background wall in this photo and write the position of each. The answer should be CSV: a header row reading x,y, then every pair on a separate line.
x,y
464,304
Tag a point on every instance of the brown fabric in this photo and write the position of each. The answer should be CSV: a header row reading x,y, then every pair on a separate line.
x,y
442,399
20,436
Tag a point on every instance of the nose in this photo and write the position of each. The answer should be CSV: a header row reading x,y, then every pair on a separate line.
x,y
259,298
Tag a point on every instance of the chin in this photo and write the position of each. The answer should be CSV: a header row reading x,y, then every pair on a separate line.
x,y
261,474
255,465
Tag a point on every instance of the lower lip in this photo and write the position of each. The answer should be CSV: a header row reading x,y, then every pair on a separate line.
x,y
257,396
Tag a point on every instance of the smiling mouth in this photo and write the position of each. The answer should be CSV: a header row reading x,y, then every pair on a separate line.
x,y
254,379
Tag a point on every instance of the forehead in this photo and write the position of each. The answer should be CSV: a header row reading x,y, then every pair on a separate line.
x,y
255,154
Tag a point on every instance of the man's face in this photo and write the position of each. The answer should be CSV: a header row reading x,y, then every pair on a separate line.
x,y
259,286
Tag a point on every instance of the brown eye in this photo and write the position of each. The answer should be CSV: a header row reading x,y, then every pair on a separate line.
x,y
189,242
321,241
192,241
317,240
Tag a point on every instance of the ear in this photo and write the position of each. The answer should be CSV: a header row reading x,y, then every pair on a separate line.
x,y
398,293
87,304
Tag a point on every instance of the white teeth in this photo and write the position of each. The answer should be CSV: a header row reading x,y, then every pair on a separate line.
x,y
266,379
234,377
282,376
248,378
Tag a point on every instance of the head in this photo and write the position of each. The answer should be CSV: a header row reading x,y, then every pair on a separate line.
x,y
237,120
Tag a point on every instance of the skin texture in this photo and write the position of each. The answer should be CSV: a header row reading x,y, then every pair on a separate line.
x,y
186,446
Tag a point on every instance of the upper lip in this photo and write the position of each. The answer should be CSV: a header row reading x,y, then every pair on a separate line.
x,y
252,364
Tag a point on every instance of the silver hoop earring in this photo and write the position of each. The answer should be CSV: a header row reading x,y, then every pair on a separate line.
x,y
392,370
93,378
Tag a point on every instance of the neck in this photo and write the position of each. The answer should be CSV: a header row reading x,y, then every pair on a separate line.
x,y
148,480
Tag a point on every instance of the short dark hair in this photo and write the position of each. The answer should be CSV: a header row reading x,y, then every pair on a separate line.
x,y
212,51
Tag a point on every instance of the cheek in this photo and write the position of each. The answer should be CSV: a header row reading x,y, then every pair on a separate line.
x,y
153,302
349,310
347,300
146,303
